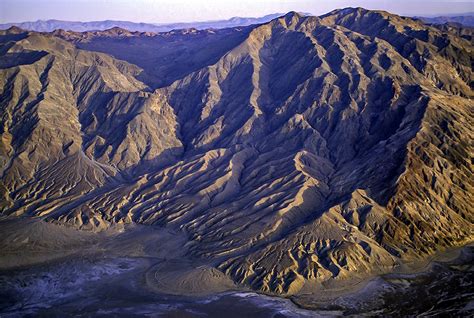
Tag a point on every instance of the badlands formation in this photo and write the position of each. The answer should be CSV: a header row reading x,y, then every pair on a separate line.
x,y
280,157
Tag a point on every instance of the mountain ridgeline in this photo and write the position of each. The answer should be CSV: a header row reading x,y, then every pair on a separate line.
x,y
289,153
53,25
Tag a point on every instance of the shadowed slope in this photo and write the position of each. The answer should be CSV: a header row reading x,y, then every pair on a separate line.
x,y
164,57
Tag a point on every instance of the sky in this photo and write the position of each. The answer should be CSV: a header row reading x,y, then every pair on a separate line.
x,y
166,11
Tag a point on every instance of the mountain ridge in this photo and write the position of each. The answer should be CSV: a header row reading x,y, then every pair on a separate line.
x,y
52,25
77,26
466,20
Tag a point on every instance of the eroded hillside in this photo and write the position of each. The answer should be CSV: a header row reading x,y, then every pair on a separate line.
x,y
289,153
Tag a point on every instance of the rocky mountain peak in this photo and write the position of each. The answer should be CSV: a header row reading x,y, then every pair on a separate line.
x,y
14,30
292,19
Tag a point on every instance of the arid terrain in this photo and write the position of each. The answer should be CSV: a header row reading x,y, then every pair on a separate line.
x,y
303,155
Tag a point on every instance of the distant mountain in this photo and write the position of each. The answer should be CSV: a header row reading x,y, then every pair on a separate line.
x,y
51,25
466,20
77,26
220,24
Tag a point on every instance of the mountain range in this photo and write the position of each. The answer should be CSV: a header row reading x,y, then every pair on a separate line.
x,y
289,153
52,25
466,20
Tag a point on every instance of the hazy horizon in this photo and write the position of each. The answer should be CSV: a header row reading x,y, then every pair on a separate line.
x,y
171,11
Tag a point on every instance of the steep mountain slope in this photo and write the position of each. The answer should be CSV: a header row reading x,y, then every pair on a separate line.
x,y
165,57
55,103
457,29
290,153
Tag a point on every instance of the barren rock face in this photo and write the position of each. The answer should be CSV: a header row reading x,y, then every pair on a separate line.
x,y
290,153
